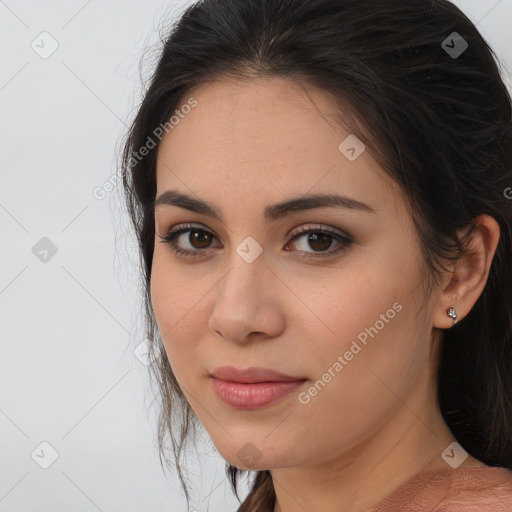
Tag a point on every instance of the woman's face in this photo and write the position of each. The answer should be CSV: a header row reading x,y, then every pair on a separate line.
x,y
338,309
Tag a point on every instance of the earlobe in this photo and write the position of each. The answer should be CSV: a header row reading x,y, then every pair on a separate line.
x,y
446,318
469,276
452,313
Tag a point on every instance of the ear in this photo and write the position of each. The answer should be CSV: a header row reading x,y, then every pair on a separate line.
x,y
466,282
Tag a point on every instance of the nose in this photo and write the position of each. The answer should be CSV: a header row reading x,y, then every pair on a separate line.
x,y
247,303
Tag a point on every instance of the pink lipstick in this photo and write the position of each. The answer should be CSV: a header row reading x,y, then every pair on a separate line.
x,y
252,388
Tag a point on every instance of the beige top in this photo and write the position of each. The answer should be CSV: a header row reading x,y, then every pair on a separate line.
x,y
465,489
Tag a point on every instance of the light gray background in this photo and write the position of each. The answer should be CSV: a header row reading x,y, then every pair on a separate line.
x,y
69,326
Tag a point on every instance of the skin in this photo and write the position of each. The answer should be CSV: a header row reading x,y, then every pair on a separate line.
x,y
376,424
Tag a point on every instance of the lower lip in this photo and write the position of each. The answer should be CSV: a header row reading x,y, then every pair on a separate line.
x,y
253,396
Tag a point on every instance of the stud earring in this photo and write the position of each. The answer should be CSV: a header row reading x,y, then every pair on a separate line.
x,y
452,314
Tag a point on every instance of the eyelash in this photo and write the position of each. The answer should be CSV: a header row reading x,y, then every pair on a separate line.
x,y
171,235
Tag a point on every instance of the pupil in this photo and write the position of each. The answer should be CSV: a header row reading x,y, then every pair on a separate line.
x,y
323,238
201,237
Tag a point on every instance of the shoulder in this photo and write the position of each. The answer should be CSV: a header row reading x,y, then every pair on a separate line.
x,y
463,489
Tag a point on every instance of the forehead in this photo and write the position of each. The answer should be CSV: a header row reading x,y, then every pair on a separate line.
x,y
248,113
262,135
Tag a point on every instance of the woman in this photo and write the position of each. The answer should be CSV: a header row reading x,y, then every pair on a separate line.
x,y
321,195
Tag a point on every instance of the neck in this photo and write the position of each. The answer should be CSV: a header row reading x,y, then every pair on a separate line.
x,y
360,478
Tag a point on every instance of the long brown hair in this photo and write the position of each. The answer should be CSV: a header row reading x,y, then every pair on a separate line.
x,y
434,111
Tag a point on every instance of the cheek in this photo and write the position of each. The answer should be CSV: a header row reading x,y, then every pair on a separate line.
x,y
347,303
367,316
172,296
183,299
178,305
376,330
354,370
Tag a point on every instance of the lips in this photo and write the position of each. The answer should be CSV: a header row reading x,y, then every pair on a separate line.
x,y
252,375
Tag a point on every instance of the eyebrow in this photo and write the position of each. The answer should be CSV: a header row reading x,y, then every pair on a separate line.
x,y
272,212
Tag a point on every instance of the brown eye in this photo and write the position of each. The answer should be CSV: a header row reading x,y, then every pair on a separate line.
x,y
319,241
199,239
188,240
313,242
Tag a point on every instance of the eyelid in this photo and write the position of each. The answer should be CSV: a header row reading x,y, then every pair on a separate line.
x,y
290,234
188,226
320,227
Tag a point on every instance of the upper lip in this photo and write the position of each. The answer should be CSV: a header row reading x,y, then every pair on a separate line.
x,y
251,375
